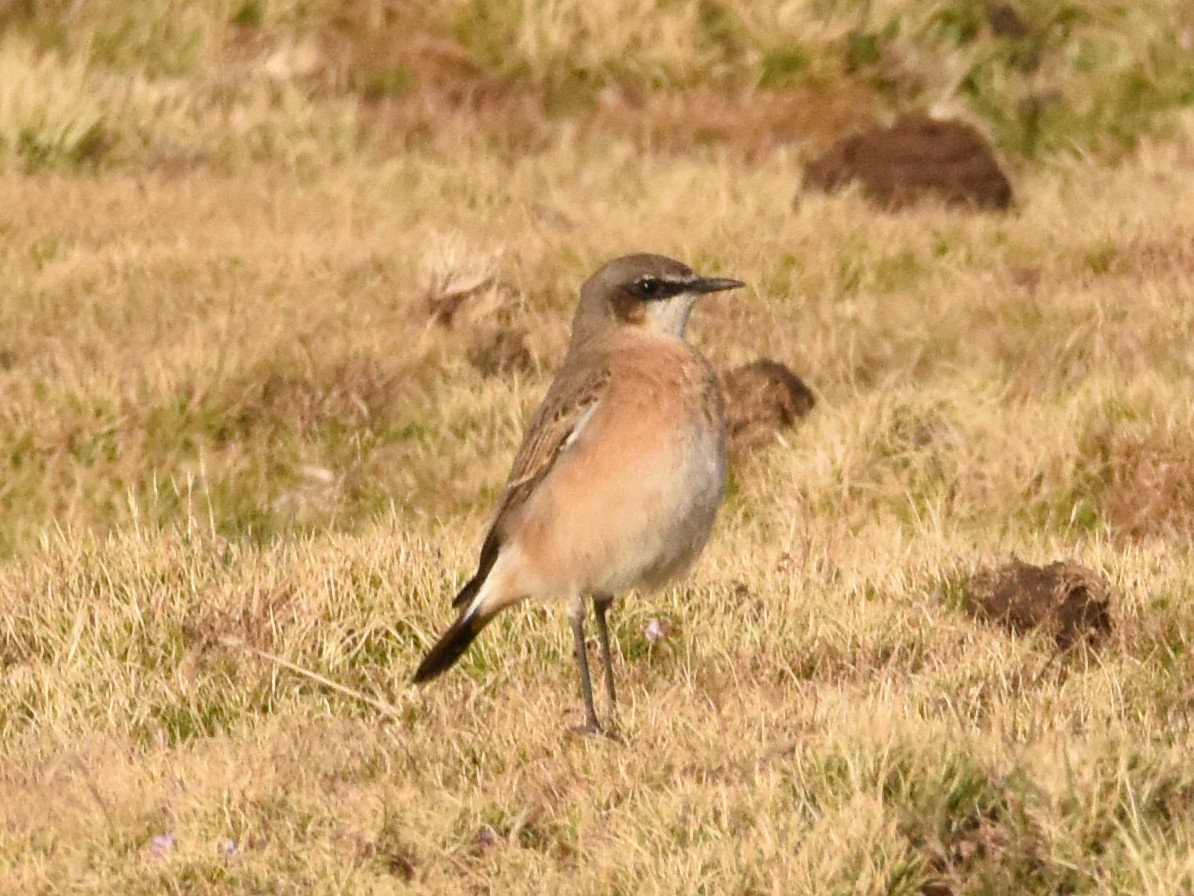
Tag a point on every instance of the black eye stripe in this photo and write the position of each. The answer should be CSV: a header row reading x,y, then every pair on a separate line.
x,y
657,288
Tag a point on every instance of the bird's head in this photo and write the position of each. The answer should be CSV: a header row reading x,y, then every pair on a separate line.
x,y
648,291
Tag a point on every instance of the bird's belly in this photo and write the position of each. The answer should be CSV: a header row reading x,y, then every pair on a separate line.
x,y
674,524
638,519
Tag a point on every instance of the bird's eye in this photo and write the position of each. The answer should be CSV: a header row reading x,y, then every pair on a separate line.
x,y
649,286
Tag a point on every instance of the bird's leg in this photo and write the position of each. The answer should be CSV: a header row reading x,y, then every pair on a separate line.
x,y
602,603
577,619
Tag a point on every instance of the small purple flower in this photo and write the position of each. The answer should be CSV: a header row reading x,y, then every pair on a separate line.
x,y
162,844
228,848
654,632
487,837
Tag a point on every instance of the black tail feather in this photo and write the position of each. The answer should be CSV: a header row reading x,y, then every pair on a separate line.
x,y
450,646
489,555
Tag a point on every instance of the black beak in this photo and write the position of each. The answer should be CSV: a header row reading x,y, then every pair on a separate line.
x,y
714,284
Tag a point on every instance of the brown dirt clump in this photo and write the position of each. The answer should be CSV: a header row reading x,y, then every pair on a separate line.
x,y
916,159
762,398
1069,602
501,351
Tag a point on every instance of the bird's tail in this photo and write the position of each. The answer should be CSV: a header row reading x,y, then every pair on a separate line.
x,y
473,617
452,644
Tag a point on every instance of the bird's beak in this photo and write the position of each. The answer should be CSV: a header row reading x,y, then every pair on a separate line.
x,y
714,284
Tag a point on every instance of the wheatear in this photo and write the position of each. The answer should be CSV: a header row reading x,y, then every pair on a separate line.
x,y
620,472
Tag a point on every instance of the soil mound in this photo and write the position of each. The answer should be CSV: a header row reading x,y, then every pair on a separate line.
x,y
762,398
917,159
1070,602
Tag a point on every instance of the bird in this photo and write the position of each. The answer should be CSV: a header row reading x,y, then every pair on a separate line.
x,y
621,469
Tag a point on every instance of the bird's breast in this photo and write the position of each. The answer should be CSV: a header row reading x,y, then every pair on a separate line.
x,y
663,439
632,499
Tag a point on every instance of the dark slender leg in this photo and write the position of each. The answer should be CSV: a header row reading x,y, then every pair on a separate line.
x,y
601,603
582,666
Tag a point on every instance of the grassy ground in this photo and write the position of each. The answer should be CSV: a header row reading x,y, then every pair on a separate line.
x,y
238,452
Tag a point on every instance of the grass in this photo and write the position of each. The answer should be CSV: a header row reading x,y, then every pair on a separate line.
x,y
244,469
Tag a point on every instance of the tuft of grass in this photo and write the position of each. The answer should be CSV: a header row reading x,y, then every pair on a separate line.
x,y
53,113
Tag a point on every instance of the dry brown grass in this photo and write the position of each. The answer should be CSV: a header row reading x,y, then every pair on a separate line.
x,y
247,458
200,364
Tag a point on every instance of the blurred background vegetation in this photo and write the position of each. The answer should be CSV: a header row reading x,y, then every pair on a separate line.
x,y
104,82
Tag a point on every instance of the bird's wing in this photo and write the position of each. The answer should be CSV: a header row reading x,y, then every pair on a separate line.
x,y
568,406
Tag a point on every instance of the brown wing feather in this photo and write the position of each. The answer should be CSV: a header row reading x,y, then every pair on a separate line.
x,y
563,408
554,423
